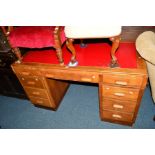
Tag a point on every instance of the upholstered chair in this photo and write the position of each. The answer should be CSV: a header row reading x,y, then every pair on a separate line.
x,y
145,45
92,32
35,37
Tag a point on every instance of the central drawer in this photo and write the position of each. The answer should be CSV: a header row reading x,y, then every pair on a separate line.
x,y
120,92
73,75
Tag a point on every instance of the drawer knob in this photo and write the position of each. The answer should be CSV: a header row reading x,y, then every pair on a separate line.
x,y
118,106
23,79
121,83
119,94
116,116
93,76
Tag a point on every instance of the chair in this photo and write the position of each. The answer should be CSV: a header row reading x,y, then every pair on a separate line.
x,y
35,37
92,32
145,45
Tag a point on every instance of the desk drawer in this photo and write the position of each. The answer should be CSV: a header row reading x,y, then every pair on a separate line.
x,y
122,106
28,81
41,102
23,71
36,92
114,115
123,80
73,75
120,93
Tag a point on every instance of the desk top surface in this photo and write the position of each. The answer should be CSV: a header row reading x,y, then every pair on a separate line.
x,y
94,57
94,54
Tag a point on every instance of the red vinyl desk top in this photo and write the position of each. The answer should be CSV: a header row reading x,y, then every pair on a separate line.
x,y
94,54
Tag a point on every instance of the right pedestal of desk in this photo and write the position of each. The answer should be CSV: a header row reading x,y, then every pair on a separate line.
x,y
120,93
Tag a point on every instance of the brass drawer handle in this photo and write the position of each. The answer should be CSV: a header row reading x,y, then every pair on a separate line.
x,y
39,101
25,73
35,93
86,79
49,75
118,106
121,83
31,82
119,94
116,116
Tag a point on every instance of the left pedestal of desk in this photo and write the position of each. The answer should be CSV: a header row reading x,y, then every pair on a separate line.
x,y
40,90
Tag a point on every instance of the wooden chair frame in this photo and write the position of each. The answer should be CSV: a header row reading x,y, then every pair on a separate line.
x,y
57,40
115,44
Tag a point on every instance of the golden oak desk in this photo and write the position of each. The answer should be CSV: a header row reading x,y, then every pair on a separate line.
x,y
120,89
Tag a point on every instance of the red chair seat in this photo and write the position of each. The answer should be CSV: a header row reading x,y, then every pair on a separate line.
x,y
34,36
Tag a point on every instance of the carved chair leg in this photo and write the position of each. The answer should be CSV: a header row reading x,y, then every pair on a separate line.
x,y
69,44
58,45
59,55
18,54
115,45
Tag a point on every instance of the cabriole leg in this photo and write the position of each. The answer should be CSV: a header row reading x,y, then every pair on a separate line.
x,y
115,45
69,44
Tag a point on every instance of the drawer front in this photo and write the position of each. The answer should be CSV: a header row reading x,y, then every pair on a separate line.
x,y
115,115
123,80
36,92
120,93
73,75
117,105
41,102
25,71
35,82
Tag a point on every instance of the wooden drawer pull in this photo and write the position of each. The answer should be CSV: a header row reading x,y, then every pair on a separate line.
x,y
118,106
35,93
86,79
49,75
116,116
31,82
121,83
39,101
119,94
25,73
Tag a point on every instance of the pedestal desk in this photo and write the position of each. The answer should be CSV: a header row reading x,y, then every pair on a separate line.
x,y
120,89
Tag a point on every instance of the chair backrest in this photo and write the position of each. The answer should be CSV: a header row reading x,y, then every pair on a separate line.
x,y
145,45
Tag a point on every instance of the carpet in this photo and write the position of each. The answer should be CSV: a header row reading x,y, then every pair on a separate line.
x,y
79,109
